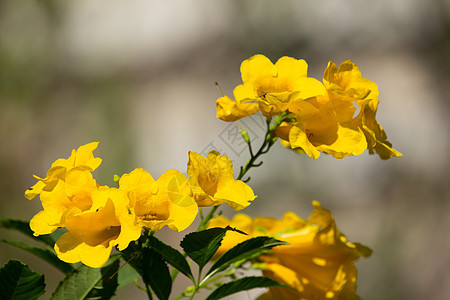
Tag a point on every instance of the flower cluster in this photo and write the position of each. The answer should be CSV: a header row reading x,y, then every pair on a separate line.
x,y
311,257
336,117
318,263
98,218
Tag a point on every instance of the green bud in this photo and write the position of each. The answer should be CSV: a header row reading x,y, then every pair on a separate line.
x,y
244,134
116,179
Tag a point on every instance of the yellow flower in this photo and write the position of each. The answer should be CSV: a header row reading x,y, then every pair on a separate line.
x,y
230,111
212,181
269,85
93,233
82,157
166,201
326,125
375,135
346,83
317,263
75,192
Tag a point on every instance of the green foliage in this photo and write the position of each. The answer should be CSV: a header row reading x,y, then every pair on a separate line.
x,y
156,273
47,255
171,256
18,282
243,284
108,283
86,282
244,250
201,246
127,274
24,227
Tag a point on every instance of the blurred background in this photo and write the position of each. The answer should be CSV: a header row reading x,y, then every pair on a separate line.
x,y
138,76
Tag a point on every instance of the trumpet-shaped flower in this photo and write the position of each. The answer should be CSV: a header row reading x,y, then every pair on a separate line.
x,y
93,233
326,124
75,192
317,263
268,87
346,83
81,158
166,201
212,181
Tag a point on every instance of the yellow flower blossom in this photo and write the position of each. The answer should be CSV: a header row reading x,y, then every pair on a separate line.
x,y
269,85
212,181
230,111
82,157
375,135
93,233
326,124
346,83
317,263
166,201
75,191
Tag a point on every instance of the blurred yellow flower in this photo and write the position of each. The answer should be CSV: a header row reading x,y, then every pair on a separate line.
x,y
317,263
93,233
212,181
268,87
166,201
82,158
75,192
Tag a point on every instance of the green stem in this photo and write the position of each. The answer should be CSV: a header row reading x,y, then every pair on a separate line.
x,y
269,141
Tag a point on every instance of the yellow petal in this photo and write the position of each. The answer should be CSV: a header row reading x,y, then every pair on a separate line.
x,y
71,249
183,208
299,139
45,222
36,189
230,111
258,70
349,141
236,194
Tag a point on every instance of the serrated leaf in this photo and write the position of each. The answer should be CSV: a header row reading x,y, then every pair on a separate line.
x,y
243,284
244,250
18,282
24,227
82,281
201,246
156,273
171,256
45,254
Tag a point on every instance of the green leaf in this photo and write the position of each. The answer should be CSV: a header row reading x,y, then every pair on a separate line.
x,y
18,282
127,274
24,227
156,273
82,281
244,250
243,284
171,255
201,246
47,255
108,283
